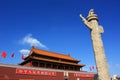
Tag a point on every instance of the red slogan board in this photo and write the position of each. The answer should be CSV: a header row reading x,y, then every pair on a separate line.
x,y
83,75
35,72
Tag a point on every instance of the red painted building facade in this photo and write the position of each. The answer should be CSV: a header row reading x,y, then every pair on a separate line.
x,y
15,72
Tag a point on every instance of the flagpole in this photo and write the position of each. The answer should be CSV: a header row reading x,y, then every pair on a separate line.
x,y
12,56
0,59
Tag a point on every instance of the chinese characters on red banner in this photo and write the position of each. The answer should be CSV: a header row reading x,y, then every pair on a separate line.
x,y
35,72
83,75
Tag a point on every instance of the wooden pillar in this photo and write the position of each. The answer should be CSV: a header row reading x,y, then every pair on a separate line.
x,y
57,66
69,67
51,65
73,67
38,64
64,67
45,65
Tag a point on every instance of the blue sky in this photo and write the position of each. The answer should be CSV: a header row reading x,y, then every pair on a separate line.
x,y
55,25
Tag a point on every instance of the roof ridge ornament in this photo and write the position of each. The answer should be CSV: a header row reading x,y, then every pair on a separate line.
x,y
33,47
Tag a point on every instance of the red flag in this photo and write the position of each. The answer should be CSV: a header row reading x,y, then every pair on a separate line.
x,y
12,55
4,54
90,68
22,56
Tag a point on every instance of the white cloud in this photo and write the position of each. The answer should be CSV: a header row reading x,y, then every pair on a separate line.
x,y
25,52
32,41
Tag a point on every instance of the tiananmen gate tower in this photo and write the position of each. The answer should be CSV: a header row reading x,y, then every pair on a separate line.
x,y
45,65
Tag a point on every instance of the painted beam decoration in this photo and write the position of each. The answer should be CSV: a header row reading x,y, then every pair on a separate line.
x,y
35,72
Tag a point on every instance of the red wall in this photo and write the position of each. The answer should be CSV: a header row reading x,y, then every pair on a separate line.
x,y
9,73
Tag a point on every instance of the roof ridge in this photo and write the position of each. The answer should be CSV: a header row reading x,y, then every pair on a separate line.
x,y
52,52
